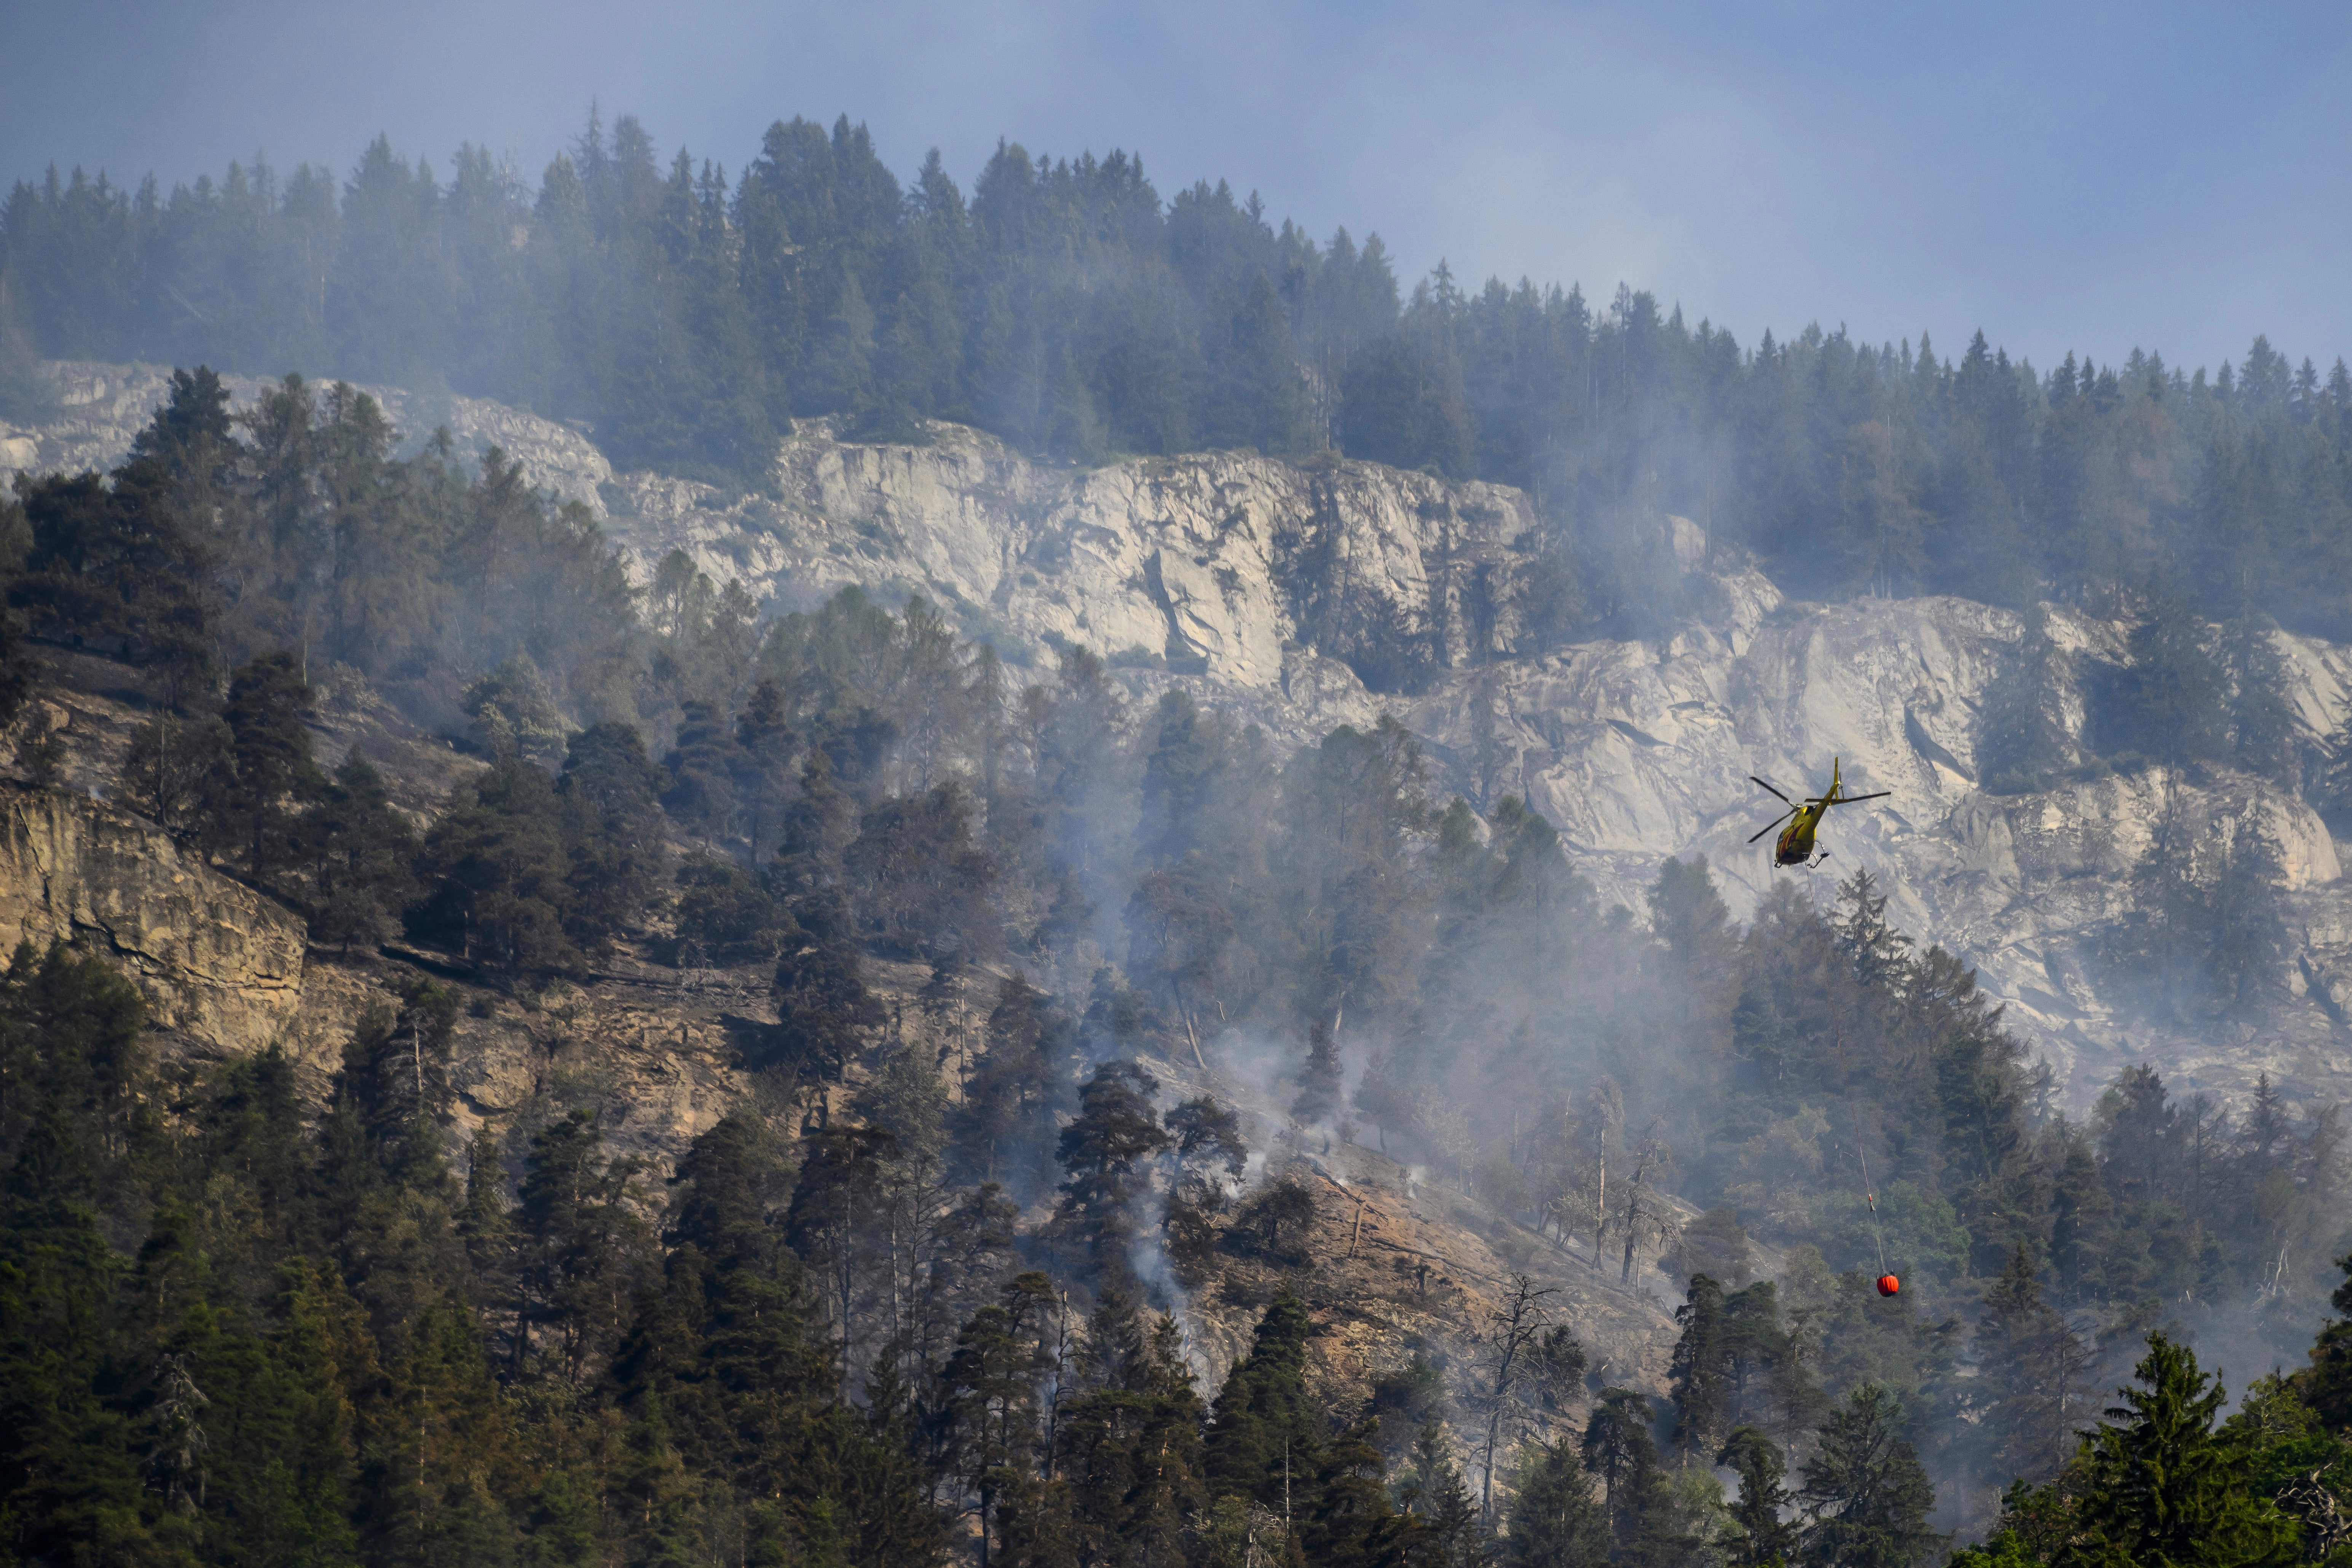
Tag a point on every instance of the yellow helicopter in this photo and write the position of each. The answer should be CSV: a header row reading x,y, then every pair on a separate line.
x,y
1795,847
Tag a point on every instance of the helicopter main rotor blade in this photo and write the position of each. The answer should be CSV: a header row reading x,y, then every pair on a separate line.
x,y
1850,799
1754,780
1773,824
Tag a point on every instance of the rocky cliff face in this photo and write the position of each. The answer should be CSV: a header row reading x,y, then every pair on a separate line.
x,y
1640,749
219,964
1210,564
99,408
1310,596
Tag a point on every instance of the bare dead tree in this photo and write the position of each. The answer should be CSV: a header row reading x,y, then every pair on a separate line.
x,y
2310,1500
1649,1157
1515,1333
1595,1122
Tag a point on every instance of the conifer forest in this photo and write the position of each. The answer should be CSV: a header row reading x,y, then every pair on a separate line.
x,y
999,927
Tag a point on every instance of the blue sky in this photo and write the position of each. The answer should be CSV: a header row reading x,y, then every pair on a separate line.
x,y
2084,177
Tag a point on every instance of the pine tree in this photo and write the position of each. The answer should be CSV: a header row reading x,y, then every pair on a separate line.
x,y
869,1460
2163,1488
2264,725
656,1491
1866,1495
254,1136
612,824
2082,1217
1690,917
1320,1079
359,848
835,1199
1880,954
1208,1135
1618,1450
906,1099
321,1365
513,711
1554,1520
577,1235
252,806
725,916
991,1379
2171,702
764,741
2035,1367
1129,1446
1266,1430
815,829
1258,397
1766,1535
1434,1493
174,759
2021,744
499,875
483,1220
822,1003
124,567
727,1183
1697,1377
432,1487
920,880
1348,1522
703,769
71,1473
1660,1536
1020,1077
2326,1383
1101,1150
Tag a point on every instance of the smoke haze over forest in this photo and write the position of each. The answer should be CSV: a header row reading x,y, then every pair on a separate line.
x,y
2093,178
814,1074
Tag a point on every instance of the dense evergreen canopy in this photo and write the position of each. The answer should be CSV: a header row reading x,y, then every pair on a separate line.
x,y
908,1300
687,316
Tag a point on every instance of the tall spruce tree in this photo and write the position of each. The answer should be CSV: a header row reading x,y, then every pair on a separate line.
x,y
1866,1495
1766,1535
254,802
1555,1522
2163,1488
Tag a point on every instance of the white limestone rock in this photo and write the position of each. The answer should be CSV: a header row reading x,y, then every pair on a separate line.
x,y
1310,596
100,408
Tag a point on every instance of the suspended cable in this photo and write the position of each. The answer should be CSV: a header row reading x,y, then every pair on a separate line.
x,y
1861,1155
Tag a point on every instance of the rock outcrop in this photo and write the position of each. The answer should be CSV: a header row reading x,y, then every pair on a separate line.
x,y
219,964
1208,564
1638,750
1311,596
1307,595
99,408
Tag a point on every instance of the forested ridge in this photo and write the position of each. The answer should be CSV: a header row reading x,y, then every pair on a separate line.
x,y
687,316
898,1306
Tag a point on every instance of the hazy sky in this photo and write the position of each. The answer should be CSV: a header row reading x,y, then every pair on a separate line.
x,y
2089,177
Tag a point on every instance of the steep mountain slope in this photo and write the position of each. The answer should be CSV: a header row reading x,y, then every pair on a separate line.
x,y
1391,1263
1299,592
1310,596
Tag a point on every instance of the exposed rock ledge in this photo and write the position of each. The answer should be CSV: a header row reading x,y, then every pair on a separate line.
x,y
1310,596
217,962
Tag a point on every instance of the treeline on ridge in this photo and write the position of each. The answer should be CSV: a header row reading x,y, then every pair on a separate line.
x,y
687,317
